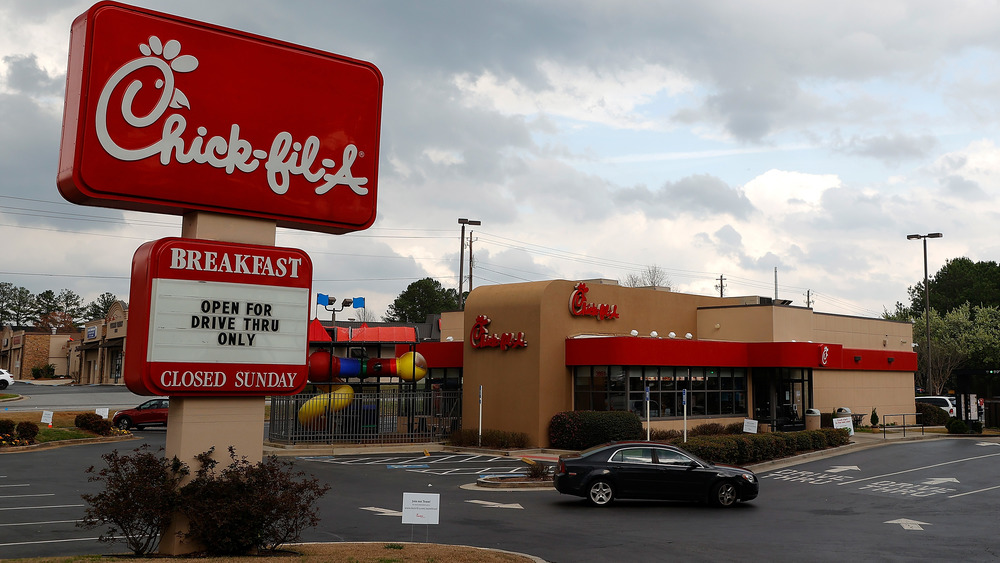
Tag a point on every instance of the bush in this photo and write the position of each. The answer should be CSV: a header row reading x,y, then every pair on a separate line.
x,y
27,431
956,426
93,422
493,439
666,435
7,426
138,500
743,449
579,430
975,427
931,415
248,507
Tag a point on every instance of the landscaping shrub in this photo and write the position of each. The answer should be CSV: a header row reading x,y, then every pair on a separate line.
x,y
578,430
493,439
667,435
956,426
931,415
7,426
93,422
27,431
246,508
139,498
745,449
734,428
975,427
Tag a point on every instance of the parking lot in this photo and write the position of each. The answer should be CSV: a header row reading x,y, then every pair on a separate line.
x,y
927,498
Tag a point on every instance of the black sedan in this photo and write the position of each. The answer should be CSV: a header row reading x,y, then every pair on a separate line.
x,y
649,470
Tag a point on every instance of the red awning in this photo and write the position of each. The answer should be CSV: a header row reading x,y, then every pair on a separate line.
x,y
318,333
365,333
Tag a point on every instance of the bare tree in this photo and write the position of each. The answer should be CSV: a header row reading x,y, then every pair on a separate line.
x,y
650,276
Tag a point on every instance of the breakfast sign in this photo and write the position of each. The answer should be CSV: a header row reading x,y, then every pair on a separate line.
x,y
170,115
218,319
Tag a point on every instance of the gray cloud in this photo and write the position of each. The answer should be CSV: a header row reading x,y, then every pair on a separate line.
x,y
24,75
700,196
891,149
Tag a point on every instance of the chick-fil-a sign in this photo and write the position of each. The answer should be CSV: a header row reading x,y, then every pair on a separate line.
x,y
580,307
481,337
170,115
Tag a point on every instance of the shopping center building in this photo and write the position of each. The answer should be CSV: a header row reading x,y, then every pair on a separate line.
x,y
531,350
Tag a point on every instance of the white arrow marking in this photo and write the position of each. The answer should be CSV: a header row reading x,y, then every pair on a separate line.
x,y
940,480
489,504
382,511
987,444
908,524
842,468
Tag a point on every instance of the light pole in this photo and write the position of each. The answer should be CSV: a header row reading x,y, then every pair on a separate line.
x,y
927,301
461,256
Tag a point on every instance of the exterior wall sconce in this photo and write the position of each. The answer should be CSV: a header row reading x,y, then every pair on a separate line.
x,y
654,334
671,334
891,359
857,359
717,326
689,336
634,332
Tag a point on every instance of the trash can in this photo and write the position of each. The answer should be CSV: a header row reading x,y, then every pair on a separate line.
x,y
812,419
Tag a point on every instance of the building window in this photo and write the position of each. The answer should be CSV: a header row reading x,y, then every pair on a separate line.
x,y
710,391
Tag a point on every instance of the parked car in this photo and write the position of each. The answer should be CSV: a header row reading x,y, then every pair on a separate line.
x,y
151,413
6,379
946,403
651,470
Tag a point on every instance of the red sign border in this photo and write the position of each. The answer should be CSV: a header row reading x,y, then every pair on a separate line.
x,y
145,265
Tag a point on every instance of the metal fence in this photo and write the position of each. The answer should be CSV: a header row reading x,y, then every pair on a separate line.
x,y
386,417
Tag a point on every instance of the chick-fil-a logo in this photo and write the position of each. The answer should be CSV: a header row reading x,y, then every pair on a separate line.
x,y
824,355
286,157
579,306
481,337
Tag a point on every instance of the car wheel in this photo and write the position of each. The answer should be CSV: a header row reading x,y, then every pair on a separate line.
x,y
601,493
3,384
124,423
724,494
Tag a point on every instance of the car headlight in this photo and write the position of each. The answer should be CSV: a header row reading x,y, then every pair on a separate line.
x,y
748,477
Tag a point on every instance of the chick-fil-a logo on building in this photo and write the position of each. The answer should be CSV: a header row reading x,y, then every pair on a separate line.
x,y
170,115
580,307
481,337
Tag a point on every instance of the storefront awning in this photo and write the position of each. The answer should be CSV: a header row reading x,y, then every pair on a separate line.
x,y
641,351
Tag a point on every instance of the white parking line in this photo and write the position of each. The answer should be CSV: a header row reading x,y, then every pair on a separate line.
x,y
41,507
918,469
974,492
25,496
39,523
50,541
17,485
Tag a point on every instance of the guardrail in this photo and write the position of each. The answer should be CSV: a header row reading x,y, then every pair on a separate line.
x,y
903,426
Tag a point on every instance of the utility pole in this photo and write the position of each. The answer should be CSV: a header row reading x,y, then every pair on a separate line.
x,y
461,257
775,283
808,300
470,260
722,286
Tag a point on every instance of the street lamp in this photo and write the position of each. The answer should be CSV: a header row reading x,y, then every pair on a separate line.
x,y
927,300
461,257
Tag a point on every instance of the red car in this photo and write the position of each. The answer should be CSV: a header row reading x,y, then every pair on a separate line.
x,y
151,413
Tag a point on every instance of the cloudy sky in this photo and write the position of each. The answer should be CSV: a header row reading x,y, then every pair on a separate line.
x,y
592,139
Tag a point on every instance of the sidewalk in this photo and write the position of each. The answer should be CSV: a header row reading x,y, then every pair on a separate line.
x,y
61,381
860,441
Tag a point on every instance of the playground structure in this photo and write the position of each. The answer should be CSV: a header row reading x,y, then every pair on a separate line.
x,y
327,372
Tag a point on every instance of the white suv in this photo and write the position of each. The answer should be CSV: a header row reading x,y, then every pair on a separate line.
x,y
946,403
5,379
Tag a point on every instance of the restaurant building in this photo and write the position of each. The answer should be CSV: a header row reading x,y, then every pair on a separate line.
x,y
532,350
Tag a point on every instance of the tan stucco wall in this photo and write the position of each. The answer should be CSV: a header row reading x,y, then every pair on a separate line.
x,y
860,391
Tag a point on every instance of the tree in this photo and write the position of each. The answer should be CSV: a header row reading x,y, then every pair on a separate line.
x,y
22,307
59,320
70,303
419,299
650,276
99,308
959,281
949,346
